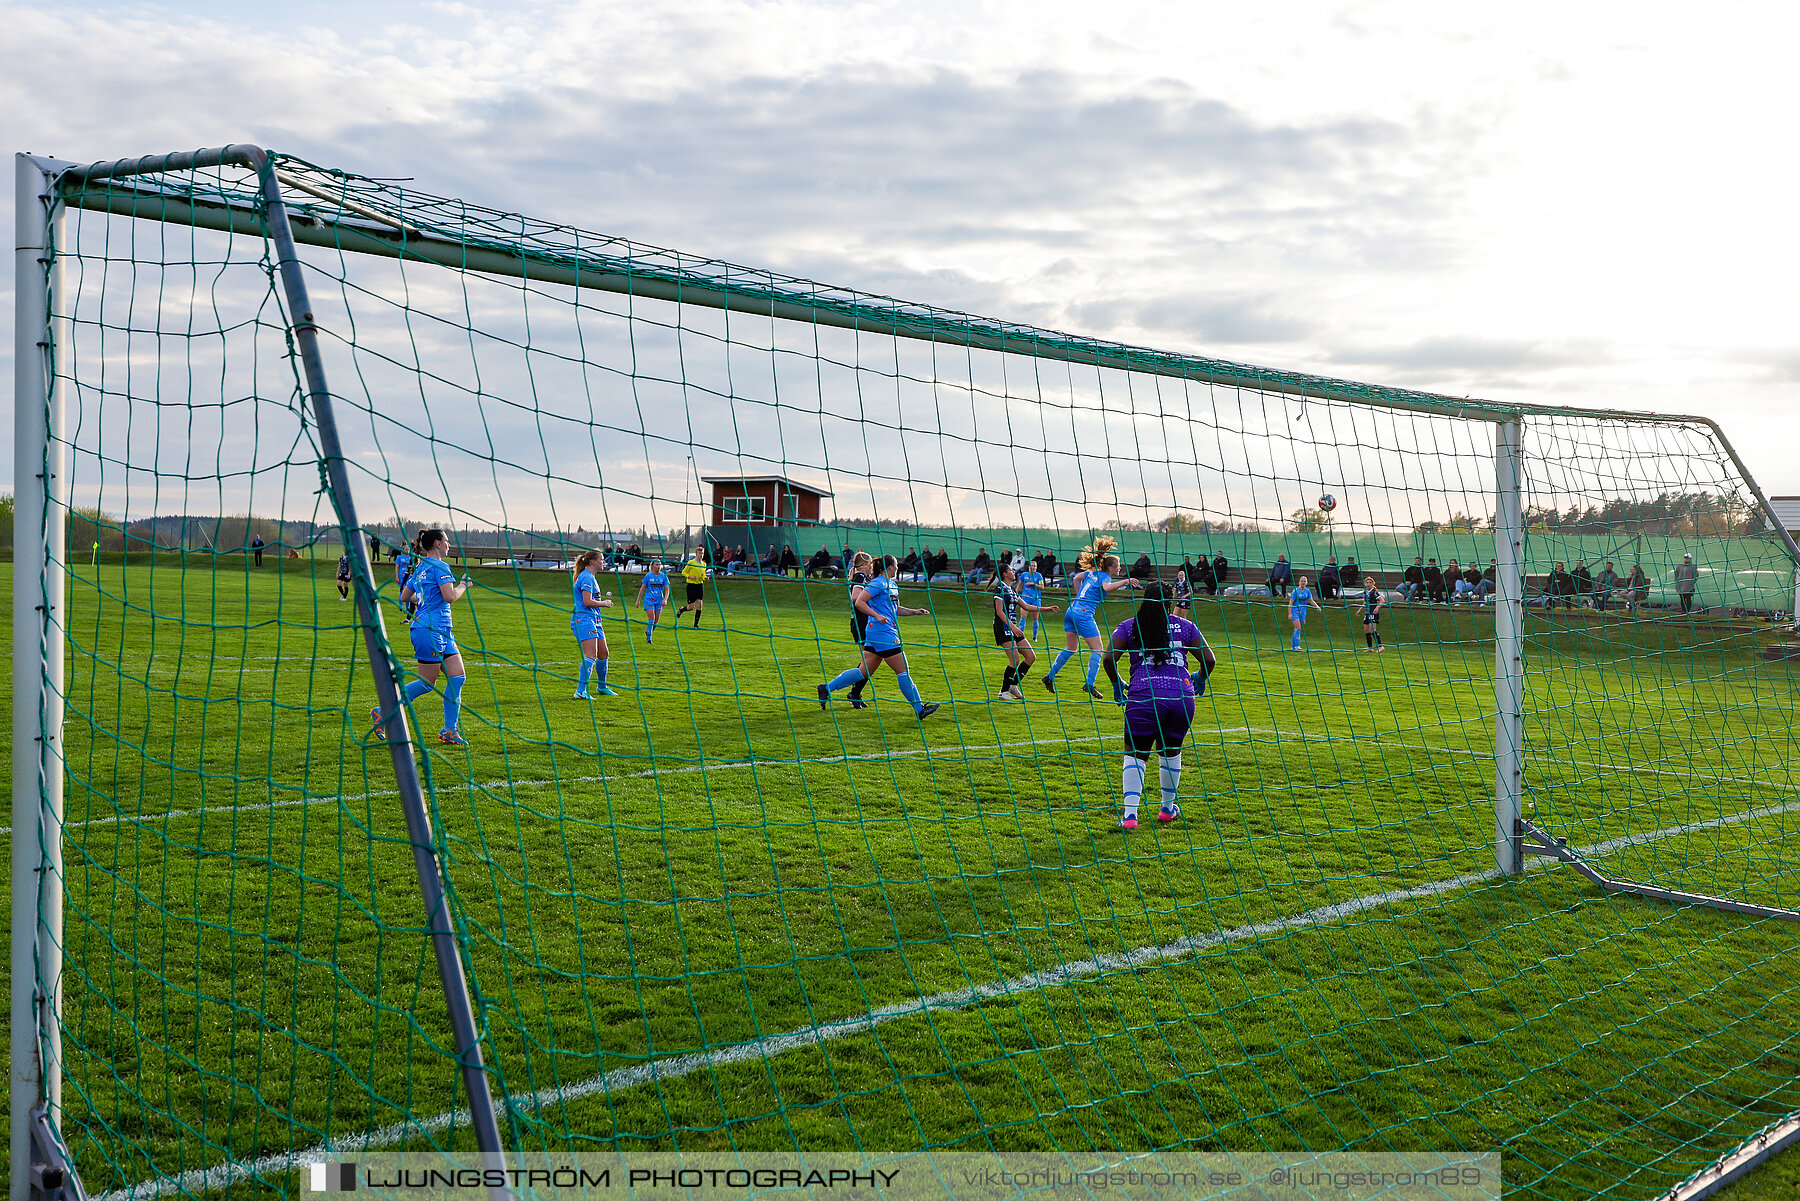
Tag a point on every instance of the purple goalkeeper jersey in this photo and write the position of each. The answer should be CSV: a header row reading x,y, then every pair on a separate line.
x,y
1160,674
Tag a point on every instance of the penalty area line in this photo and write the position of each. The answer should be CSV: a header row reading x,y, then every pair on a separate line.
x,y
676,1067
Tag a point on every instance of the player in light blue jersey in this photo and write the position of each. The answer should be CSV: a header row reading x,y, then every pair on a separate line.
x,y
653,593
1031,588
434,588
1091,582
1298,602
585,624
879,601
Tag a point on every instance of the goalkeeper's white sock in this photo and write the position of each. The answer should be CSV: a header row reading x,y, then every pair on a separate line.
x,y
1134,785
1171,780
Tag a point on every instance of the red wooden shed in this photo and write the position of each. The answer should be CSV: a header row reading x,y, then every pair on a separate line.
x,y
762,500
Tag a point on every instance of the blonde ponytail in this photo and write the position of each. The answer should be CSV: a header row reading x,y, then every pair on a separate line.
x,y
1096,553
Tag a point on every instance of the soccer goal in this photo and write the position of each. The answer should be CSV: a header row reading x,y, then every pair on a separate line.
x,y
452,708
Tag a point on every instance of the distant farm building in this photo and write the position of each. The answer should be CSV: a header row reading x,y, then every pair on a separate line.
x,y
1787,511
760,511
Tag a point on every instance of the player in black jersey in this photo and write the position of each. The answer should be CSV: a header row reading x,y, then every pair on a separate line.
x,y
1373,602
1009,633
862,570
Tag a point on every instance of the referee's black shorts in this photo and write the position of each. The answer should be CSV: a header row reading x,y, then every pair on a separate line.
x,y
696,592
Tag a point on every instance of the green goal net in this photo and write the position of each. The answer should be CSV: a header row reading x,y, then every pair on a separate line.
x,y
712,911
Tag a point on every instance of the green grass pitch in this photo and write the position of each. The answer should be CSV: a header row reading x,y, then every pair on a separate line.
x,y
706,914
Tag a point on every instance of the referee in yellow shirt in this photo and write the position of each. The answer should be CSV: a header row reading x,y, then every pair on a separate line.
x,y
695,574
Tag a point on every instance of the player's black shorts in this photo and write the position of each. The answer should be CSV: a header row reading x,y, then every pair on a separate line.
x,y
1004,636
886,652
1371,618
696,592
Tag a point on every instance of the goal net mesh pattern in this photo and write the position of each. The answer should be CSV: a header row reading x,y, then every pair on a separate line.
x,y
706,914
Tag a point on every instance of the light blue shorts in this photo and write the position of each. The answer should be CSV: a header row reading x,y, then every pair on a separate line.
x,y
432,646
584,627
1077,622
883,639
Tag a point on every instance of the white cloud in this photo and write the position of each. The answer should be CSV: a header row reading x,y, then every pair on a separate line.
x,y
1520,203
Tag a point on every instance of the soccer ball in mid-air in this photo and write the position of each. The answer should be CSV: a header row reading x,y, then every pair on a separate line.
x,y
1328,502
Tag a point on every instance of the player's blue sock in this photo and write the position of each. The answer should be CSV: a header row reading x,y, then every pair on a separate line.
x,y
453,701
844,679
1034,631
1093,667
417,689
1062,657
909,691
600,671
1296,639
587,673
1134,784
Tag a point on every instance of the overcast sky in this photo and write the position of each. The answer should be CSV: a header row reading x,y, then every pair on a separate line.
x,y
1580,204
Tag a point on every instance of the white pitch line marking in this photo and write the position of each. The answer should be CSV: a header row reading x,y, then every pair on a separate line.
x,y
675,1067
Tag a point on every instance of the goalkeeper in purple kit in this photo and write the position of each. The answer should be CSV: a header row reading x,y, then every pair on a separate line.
x,y
1159,701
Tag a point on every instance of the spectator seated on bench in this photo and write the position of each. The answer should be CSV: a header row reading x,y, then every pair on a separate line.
x,y
911,569
1584,583
1557,591
820,565
1281,576
1605,584
1412,580
982,566
1204,576
1434,583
